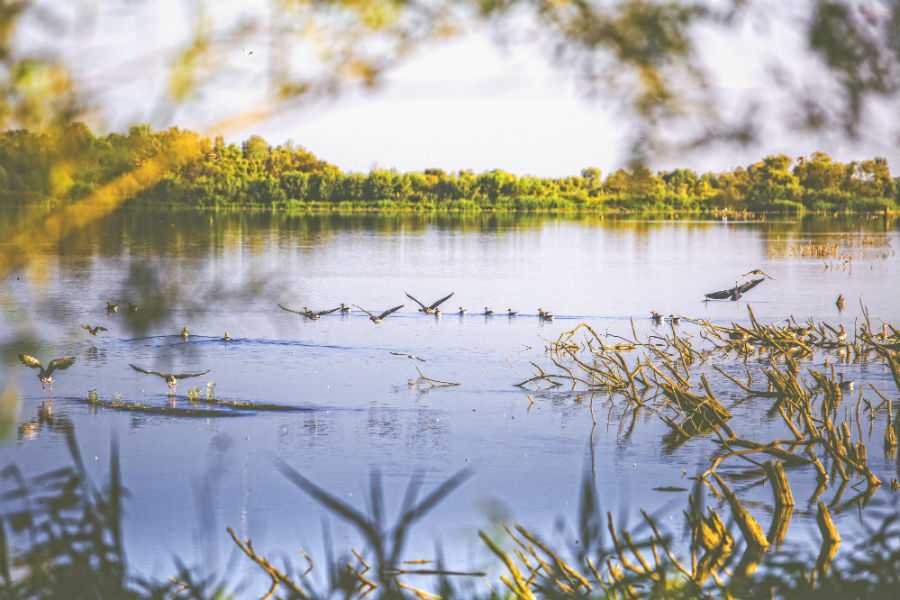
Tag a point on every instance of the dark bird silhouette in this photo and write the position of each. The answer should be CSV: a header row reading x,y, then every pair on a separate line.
x,y
510,312
461,311
488,312
656,317
171,379
344,308
95,329
432,308
543,315
45,375
379,318
736,292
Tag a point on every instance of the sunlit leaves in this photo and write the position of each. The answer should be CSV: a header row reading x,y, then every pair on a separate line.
x,y
186,68
10,409
40,94
851,42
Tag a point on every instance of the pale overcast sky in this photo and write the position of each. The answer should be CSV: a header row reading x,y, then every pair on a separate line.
x,y
463,104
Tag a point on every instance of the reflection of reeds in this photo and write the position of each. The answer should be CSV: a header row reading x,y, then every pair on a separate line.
x,y
198,407
62,537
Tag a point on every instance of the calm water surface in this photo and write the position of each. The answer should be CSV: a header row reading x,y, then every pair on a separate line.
x,y
191,477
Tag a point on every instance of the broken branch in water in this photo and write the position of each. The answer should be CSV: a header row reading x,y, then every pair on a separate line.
x,y
422,380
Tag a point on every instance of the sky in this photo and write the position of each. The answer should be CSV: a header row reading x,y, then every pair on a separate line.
x,y
467,103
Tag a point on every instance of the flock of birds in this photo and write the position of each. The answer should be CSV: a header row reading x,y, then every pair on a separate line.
x,y
45,374
429,309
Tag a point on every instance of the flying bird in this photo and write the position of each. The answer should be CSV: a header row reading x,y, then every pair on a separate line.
x,y
95,329
171,379
736,292
758,272
310,314
291,310
45,375
314,315
379,318
432,308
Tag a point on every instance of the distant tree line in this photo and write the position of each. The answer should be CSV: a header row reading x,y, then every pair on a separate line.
x,y
71,162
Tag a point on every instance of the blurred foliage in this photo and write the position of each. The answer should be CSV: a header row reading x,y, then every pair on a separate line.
x,y
10,409
645,56
255,174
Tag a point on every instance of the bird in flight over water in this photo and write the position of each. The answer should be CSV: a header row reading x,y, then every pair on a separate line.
x,y
312,315
736,292
171,379
757,272
380,317
45,375
432,308
315,315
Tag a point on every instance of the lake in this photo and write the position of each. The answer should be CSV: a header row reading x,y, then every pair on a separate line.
x,y
349,380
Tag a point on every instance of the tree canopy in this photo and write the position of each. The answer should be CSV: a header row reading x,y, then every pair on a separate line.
x,y
73,162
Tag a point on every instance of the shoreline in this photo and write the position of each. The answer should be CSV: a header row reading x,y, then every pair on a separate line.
x,y
346,208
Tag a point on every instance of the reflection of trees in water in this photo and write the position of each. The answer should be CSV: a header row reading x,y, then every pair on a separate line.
x,y
315,429
420,430
383,425
427,432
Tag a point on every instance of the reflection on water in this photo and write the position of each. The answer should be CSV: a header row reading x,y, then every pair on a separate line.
x,y
215,272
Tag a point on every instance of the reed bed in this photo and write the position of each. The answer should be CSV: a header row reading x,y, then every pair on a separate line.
x,y
669,374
